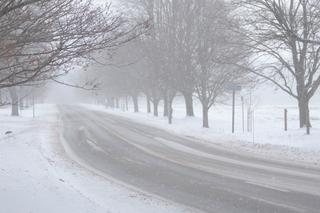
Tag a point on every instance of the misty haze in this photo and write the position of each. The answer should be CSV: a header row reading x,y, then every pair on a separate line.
x,y
159,106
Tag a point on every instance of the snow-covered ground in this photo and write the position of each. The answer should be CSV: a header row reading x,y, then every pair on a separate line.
x,y
36,176
267,140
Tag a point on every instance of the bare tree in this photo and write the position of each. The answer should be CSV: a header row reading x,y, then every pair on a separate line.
x,y
186,43
41,39
154,45
169,48
282,35
217,47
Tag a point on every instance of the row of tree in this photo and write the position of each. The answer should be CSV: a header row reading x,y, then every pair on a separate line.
x,y
193,47
190,49
203,47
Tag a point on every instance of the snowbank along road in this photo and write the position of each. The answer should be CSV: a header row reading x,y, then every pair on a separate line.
x,y
186,171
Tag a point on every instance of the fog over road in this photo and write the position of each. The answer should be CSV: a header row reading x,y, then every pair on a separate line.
x,y
185,170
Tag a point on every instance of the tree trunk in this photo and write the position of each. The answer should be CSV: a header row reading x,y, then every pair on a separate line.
x,y
165,106
148,104
304,113
135,103
170,111
189,104
0,98
127,105
14,101
155,108
205,116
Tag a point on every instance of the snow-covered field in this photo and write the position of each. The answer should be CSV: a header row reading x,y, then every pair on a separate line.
x,y
36,176
267,140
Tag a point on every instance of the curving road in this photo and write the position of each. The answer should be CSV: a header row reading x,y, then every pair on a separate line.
x,y
186,171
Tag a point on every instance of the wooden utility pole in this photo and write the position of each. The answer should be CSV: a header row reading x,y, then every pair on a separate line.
x,y
233,88
233,108
308,123
242,106
285,120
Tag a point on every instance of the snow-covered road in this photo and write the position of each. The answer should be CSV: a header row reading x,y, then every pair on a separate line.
x,y
184,170
36,175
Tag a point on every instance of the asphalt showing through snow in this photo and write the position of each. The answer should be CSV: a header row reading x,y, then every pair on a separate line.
x,y
185,170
